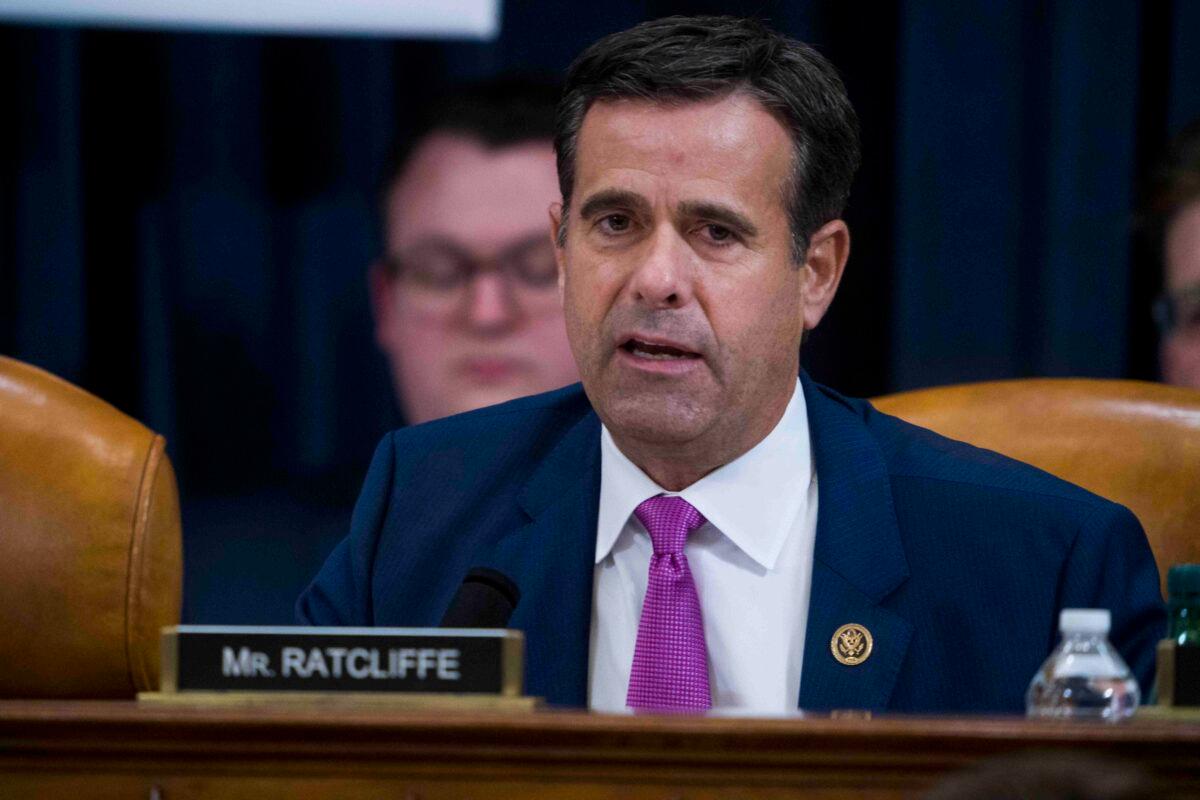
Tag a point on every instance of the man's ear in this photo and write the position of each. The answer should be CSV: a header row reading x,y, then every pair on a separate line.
x,y
383,302
828,249
556,236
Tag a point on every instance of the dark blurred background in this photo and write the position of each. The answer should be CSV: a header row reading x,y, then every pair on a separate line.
x,y
186,218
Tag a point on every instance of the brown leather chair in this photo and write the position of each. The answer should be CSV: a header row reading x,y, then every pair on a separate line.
x,y
90,550
1132,442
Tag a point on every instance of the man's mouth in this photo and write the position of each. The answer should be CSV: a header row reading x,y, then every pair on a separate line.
x,y
656,352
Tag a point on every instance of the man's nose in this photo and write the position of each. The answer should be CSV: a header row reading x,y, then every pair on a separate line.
x,y
663,279
490,304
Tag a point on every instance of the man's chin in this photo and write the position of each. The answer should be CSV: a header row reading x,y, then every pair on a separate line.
x,y
656,420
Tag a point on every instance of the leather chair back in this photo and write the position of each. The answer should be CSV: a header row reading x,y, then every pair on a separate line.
x,y
90,549
1135,443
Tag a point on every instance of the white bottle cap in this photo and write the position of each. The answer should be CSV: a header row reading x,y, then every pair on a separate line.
x,y
1084,620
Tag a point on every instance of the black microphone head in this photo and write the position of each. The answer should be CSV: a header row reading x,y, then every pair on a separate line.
x,y
486,599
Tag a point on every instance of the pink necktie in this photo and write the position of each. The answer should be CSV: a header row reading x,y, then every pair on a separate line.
x,y
670,661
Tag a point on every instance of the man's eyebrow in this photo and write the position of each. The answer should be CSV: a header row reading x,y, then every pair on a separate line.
x,y
607,199
720,214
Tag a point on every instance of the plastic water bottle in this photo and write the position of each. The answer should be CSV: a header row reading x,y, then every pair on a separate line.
x,y
1085,677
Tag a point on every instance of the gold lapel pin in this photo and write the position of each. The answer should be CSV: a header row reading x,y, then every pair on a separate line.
x,y
851,644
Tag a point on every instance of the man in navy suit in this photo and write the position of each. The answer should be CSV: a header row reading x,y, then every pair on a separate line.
x,y
695,527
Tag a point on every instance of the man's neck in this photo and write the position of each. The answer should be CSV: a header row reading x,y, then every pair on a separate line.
x,y
677,465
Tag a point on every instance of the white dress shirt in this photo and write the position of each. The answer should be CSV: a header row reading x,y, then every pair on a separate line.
x,y
752,563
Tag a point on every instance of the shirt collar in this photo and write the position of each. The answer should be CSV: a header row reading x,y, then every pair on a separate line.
x,y
753,500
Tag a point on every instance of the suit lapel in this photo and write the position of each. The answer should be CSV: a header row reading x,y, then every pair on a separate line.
x,y
858,560
552,562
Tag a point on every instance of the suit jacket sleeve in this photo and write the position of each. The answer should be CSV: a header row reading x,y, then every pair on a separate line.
x,y
340,595
1110,566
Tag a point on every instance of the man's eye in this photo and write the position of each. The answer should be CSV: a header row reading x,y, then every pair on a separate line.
x,y
435,271
718,233
615,223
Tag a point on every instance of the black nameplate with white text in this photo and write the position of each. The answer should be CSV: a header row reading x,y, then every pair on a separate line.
x,y
208,658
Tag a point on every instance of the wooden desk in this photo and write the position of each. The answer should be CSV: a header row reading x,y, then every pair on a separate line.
x,y
80,750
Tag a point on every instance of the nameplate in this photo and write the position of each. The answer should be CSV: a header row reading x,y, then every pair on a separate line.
x,y
211,658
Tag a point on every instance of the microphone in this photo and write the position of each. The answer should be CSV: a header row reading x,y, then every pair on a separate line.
x,y
485,599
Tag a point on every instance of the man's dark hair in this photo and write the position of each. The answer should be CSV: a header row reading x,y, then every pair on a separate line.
x,y
682,59
501,112
1175,183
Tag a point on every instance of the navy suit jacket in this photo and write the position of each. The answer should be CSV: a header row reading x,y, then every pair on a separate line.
x,y
956,559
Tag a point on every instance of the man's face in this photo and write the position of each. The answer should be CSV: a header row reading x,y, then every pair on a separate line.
x,y
1181,349
471,315
684,308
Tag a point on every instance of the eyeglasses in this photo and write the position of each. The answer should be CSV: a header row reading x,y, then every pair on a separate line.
x,y
1179,312
440,272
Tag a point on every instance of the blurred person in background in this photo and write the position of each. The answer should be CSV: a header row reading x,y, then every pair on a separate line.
x,y
467,314
466,298
1173,222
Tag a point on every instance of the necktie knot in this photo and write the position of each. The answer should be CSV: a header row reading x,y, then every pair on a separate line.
x,y
668,520
670,659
